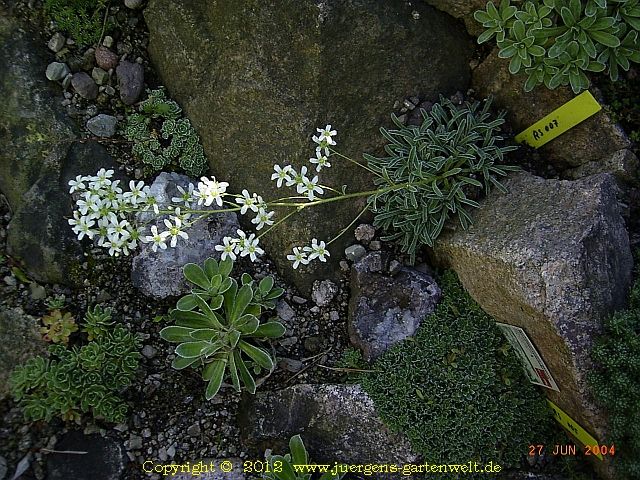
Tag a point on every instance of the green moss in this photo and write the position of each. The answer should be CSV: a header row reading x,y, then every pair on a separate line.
x,y
80,19
616,384
456,390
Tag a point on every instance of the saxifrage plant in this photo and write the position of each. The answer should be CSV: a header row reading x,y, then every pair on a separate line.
x,y
556,42
162,136
458,380
217,323
616,382
80,379
292,466
433,171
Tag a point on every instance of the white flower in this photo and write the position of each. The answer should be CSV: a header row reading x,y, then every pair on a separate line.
x,y
152,202
77,184
263,218
228,248
83,227
89,203
251,248
136,193
118,229
158,239
175,230
114,247
186,196
324,139
317,250
309,187
241,241
182,216
248,202
320,160
298,257
211,190
299,179
282,174
102,178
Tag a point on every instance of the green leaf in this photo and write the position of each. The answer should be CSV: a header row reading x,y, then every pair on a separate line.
x,y
211,267
196,275
242,300
191,349
605,38
266,284
191,319
180,363
243,371
215,374
233,373
270,330
258,355
207,334
186,303
225,267
298,452
247,324
176,334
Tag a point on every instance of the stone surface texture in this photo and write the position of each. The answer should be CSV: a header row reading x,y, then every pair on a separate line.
x,y
159,274
552,257
257,78
385,309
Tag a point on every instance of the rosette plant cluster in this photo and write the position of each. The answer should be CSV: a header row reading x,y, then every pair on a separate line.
x,y
555,42
218,325
79,379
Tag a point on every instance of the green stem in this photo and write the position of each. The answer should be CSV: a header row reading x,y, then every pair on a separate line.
x,y
353,161
279,222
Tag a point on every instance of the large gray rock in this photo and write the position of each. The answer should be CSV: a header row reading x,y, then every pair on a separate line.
x,y
593,141
385,309
336,422
256,78
159,274
551,257
20,339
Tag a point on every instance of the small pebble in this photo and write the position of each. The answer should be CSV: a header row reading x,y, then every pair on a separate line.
x,y
56,42
148,351
38,292
299,300
355,252
107,41
290,365
133,4
56,71
365,232
84,85
102,125
394,267
99,75
194,430
375,245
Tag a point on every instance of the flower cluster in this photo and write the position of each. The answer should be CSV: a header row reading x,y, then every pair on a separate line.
x,y
107,214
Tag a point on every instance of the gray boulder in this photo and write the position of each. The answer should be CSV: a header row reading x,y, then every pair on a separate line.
x,y
385,309
130,81
159,274
20,339
257,78
553,258
102,125
336,422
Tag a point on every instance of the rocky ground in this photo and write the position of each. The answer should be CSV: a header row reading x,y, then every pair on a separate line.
x,y
170,420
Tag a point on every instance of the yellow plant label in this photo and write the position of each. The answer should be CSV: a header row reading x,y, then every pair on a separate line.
x,y
560,120
571,426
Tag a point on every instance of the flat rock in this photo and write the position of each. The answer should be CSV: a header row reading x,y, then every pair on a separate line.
x,y
556,270
594,140
159,274
21,340
130,81
221,60
323,292
384,310
102,125
105,458
56,71
336,422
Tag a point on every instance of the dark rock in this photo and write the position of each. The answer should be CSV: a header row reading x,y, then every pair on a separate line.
x,y
57,42
105,58
284,311
133,4
365,232
336,422
354,252
385,310
159,274
20,339
623,165
237,55
102,125
130,81
84,85
462,9
555,270
105,458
